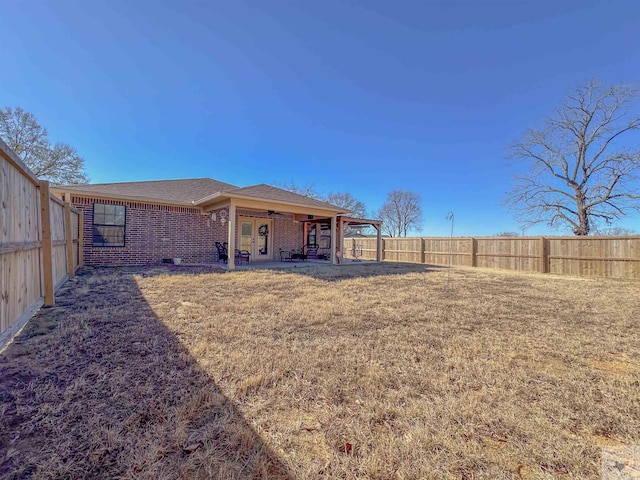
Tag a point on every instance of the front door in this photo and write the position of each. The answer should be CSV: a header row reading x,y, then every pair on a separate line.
x,y
256,236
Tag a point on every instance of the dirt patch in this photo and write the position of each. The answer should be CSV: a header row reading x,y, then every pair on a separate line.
x,y
621,367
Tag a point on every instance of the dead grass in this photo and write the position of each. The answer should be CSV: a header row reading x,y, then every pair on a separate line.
x,y
370,371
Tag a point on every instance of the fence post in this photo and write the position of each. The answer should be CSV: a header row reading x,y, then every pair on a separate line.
x,y
81,238
382,248
68,238
474,252
544,255
47,246
422,249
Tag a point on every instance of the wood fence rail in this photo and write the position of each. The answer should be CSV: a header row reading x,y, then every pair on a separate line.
x,y
613,257
40,243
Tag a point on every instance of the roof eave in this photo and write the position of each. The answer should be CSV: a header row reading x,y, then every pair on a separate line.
x,y
235,196
134,198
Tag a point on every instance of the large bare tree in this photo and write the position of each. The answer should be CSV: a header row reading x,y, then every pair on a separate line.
x,y
401,213
59,163
580,171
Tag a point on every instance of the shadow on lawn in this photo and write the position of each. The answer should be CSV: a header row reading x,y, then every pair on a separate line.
x,y
98,387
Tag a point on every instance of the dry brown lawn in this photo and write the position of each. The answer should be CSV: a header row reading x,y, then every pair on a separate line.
x,y
359,371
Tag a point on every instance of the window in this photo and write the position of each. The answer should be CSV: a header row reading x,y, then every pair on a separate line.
x,y
311,235
108,225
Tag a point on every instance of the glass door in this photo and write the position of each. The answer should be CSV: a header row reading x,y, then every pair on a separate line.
x,y
263,250
246,235
255,235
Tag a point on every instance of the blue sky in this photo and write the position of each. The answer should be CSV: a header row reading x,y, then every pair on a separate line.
x,y
357,96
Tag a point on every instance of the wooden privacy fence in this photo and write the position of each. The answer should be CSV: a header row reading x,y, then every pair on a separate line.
x,y
614,257
40,243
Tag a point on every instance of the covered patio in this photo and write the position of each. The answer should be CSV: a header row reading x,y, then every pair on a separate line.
x,y
312,234
301,221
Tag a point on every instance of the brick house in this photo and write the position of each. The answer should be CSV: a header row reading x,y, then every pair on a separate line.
x,y
139,223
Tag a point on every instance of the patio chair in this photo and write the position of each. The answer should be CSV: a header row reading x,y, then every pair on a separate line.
x,y
242,256
311,251
298,254
223,256
285,255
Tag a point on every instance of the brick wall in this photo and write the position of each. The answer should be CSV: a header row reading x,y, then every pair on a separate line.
x,y
155,232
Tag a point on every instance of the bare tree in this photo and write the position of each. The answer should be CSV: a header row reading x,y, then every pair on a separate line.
x,y
306,190
507,234
60,163
339,199
401,213
579,174
614,232
21,131
357,208
348,202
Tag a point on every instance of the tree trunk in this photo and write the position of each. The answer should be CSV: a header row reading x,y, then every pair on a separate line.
x,y
583,215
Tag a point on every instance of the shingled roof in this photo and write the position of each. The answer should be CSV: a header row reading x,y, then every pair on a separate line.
x,y
267,192
172,191
191,191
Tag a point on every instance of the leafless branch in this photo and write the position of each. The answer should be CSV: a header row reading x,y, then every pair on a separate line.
x,y
568,184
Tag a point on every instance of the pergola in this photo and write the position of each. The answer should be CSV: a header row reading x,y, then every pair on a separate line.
x,y
338,225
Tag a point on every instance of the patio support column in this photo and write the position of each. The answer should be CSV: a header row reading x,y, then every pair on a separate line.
x,y
333,240
305,233
378,243
231,246
341,238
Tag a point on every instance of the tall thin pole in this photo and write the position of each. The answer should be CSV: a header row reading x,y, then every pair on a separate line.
x,y
450,217
449,294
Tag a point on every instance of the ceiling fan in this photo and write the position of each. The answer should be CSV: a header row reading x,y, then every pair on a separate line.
x,y
273,213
